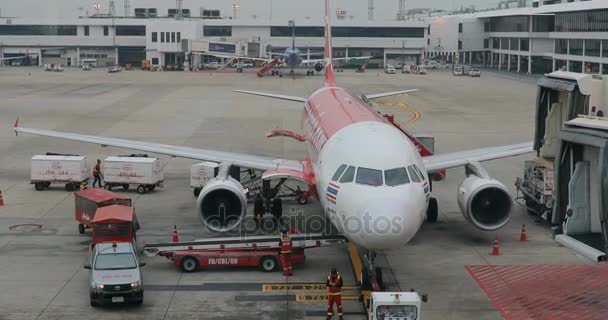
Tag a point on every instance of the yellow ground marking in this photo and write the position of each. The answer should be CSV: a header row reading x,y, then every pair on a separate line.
x,y
402,105
271,287
322,297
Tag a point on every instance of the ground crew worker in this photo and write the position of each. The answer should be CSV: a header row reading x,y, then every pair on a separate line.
x,y
334,293
97,173
285,256
258,209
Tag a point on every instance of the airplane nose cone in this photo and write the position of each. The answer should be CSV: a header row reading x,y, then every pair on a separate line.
x,y
387,223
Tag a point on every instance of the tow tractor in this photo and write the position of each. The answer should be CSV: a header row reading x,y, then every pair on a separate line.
x,y
253,251
395,305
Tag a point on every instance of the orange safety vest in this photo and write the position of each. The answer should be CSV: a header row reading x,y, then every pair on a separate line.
x,y
285,244
334,287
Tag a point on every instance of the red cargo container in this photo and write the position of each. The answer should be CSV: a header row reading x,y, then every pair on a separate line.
x,y
115,223
89,200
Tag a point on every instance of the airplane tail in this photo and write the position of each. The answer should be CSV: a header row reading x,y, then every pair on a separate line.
x,y
293,34
329,68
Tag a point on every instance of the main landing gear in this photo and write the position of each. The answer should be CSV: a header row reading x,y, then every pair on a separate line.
x,y
432,211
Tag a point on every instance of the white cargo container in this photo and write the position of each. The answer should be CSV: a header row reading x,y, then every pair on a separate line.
x,y
48,169
200,174
144,173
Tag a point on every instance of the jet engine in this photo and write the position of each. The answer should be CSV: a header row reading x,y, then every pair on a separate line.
x,y
484,202
222,204
319,67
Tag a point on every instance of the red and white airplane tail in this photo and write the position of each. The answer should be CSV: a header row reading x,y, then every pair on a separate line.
x,y
329,68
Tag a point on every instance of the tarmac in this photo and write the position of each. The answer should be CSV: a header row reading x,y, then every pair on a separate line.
x,y
41,252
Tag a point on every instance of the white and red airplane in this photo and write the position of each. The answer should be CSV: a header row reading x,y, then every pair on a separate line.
x,y
363,168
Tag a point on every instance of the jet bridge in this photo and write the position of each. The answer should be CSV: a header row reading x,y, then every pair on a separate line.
x,y
567,184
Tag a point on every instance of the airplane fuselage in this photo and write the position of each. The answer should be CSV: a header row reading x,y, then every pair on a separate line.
x,y
292,58
359,162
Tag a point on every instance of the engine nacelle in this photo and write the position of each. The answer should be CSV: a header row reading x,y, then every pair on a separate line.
x,y
319,67
222,204
484,202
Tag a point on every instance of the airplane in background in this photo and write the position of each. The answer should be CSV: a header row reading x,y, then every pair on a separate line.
x,y
360,166
292,58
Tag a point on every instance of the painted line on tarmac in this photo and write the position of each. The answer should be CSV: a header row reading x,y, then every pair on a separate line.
x,y
402,105
272,287
323,297
228,286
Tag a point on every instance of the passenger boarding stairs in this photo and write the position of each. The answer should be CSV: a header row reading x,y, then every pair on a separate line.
x,y
267,67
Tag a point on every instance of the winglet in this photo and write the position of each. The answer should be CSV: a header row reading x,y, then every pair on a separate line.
x,y
16,126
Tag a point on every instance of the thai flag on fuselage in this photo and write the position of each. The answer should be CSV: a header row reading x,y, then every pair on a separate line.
x,y
332,192
427,188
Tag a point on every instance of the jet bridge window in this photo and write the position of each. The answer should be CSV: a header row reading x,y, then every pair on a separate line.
x,y
413,174
338,173
349,175
396,177
370,177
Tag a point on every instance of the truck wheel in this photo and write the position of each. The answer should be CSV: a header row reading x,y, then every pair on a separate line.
x,y
141,189
432,211
81,228
47,185
189,264
125,186
151,188
268,263
39,186
107,186
197,191
94,303
69,187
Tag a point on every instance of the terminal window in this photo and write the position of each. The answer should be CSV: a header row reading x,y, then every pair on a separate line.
x,y
154,36
130,30
162,37
106,31
173,37
217,31
86,31
38,30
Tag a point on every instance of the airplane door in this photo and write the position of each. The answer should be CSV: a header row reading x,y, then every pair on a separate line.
x,y
578,212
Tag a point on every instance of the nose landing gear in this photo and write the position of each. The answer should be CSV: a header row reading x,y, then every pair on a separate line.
x,y
371,276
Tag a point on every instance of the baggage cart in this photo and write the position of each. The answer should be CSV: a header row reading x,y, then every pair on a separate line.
x,y
63,169
141,172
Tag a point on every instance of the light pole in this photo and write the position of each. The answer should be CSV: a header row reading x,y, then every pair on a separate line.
x,y
235,8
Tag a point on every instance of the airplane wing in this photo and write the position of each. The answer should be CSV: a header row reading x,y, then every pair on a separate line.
x,y
238,159
311,61
272,95
461,158
227,56
388,94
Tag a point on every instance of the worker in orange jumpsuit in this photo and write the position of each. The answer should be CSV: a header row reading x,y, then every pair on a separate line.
x,y
285,256
334,293
97,173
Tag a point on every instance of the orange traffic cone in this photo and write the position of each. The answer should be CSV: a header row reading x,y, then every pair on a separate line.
x,y
524,236
175,237
495,249
1,199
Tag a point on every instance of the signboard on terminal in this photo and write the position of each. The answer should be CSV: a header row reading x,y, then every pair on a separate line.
x,y
222,47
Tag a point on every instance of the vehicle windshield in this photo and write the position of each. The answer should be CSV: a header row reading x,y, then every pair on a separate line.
x,y
370,177
115,261
397,312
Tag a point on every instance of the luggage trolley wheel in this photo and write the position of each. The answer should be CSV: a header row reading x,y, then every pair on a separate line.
x,y
81,228
39,186
107,186
268,263
70,187
125,186
141,189
189,264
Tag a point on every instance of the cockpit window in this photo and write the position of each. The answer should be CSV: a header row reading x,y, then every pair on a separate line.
x,y
413,174
395,177
370,177
349,175
338,173
420,174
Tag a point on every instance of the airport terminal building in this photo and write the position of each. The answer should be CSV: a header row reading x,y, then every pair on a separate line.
x,y
548,36
168,35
